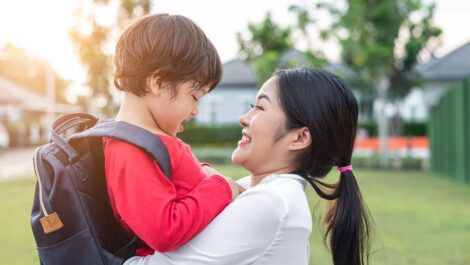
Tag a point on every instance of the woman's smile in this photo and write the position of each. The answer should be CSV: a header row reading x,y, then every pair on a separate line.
x,y
245,139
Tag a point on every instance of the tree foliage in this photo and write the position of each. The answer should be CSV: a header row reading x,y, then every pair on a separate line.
x,y
383,39
93,45
267,44
381,42
133,8
264,46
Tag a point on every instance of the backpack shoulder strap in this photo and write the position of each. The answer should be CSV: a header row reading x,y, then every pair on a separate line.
x,y
134,135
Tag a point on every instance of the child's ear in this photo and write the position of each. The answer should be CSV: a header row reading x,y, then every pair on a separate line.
x,y
301,139
154,84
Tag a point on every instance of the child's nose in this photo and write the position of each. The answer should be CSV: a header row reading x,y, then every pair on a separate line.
x,y
195,111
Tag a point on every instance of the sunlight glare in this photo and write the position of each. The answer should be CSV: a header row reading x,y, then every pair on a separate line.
x,y
41,27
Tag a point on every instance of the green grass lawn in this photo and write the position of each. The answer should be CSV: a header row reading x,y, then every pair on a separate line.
x,y
419,219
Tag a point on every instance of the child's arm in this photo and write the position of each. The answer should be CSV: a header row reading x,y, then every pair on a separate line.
x,y
234,186
149,204
241,234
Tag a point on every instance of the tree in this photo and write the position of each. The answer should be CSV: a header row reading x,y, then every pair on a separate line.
x,y
304,22
264,46
92,39
381,41
131,9
268,42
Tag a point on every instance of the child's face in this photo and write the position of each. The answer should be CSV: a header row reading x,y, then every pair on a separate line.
x,y
170,111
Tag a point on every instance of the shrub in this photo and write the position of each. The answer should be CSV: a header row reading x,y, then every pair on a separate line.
x,y
410,128
212,135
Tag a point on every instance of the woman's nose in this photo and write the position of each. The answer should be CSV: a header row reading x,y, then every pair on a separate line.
x,y
244,120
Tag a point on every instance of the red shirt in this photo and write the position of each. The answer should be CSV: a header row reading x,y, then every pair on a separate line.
x,y
164,214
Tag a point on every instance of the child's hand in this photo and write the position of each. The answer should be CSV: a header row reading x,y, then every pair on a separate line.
x,y
240,188
209,170
234,187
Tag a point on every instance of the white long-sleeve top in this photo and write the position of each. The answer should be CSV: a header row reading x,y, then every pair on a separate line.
x,y
267,224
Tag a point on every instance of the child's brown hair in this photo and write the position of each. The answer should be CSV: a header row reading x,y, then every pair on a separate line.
x,y
170,46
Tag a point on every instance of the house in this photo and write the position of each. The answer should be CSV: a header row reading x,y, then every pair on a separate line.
x,y
238,89
25,115
364,99
232,96
438,75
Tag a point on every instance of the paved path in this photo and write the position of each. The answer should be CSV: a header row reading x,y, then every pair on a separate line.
x,y
16,163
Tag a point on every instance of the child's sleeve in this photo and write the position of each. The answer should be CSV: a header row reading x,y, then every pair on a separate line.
x,y
243,233
148,203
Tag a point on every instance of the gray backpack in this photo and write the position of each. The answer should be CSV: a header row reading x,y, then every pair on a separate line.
x,y
72,219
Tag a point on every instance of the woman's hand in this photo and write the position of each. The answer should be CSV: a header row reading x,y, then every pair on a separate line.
x,y
234,186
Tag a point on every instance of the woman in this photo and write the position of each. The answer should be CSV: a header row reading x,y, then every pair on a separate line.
x,y
303,124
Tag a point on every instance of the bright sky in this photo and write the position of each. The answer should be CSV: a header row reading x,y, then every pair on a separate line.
x,y
41,26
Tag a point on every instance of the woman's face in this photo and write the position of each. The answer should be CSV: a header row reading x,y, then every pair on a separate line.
x,y
263,147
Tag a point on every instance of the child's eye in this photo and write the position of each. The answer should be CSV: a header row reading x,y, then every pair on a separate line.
x,y
256,107
195,98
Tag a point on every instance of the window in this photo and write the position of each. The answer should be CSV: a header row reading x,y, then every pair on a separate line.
x,y
213,109
245,103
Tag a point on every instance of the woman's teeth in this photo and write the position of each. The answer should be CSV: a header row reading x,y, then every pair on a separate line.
x,y
246,139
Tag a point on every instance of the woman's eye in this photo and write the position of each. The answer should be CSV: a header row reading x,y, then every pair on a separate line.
x,y
195,98
256,107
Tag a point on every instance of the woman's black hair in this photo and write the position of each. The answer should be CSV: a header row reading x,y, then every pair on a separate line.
x,y
325,104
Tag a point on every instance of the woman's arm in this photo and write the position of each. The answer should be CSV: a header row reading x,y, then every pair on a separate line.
x,y
239,235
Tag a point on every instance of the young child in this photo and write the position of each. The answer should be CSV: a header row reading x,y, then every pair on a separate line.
x,y
164,65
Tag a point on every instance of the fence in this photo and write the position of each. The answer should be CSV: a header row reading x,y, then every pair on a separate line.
x,y
449,133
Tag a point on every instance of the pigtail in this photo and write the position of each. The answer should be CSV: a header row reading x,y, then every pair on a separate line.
x,y
347,220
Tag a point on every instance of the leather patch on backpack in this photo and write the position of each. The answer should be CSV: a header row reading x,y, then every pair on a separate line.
x,y
51,223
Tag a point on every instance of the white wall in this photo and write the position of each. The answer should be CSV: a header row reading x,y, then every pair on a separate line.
x,y
416,105
225,105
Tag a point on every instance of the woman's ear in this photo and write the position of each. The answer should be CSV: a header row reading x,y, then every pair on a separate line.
x,y
301,139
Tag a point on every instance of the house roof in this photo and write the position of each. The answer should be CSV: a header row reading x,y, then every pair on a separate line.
x,y
453,66
238,74
11,93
